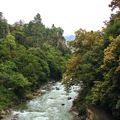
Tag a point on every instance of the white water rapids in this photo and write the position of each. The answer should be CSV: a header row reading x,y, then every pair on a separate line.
x,y
53,105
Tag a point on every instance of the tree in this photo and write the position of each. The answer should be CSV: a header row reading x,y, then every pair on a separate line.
x,y
10,42
112,27
37,19
4,29
84,66
28,58
115,4
106,92
1,15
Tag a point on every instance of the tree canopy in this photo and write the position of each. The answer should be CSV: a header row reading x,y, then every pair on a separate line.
x,y
95,65
30,55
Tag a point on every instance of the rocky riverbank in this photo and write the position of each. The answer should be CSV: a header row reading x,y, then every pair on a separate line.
x,y
3,113
91,114
55,104
76,115
38,92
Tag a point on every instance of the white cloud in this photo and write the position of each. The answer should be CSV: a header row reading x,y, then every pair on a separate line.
x,y
68,14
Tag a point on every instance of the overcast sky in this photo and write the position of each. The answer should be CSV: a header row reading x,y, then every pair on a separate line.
x,y
68,14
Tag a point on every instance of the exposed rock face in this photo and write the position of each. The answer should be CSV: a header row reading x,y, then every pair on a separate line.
x,y
90,115
3,113
97,114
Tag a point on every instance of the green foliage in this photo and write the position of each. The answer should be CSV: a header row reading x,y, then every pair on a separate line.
x,y
6,98
83,64
115,4
97,65
55,61
113,26
10,42
3,26
30,55
18,80
111,76
37,19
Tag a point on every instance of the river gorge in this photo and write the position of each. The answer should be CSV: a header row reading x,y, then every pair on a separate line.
x,y
55,104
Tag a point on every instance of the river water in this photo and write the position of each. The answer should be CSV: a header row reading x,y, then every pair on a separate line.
x,y
53,105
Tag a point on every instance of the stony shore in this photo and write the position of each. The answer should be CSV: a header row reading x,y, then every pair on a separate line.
x,y
38,92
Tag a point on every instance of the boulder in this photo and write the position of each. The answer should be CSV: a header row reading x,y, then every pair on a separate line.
x,y
2,114
69,98
57,88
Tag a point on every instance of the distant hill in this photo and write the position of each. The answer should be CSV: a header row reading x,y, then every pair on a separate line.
x,y
69,37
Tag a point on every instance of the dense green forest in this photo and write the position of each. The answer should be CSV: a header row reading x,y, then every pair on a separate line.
x,y
95,65
30,55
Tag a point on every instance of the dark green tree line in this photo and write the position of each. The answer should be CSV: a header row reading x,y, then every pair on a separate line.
x,y
30,55
95,62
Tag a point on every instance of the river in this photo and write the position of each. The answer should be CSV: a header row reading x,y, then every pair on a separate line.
x,y
53,105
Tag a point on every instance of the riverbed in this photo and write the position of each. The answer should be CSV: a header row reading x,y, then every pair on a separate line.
x,y
55,104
